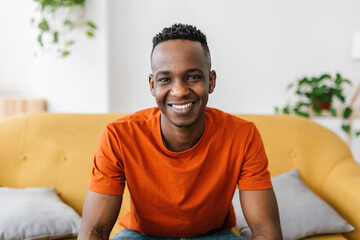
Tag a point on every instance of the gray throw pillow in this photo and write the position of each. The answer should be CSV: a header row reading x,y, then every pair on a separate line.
x,y
302,213
35,213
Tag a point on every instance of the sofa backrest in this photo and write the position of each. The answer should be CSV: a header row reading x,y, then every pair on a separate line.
x,y
44,150
58,149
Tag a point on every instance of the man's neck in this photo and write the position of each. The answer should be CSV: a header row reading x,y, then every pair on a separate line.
x,y
179,139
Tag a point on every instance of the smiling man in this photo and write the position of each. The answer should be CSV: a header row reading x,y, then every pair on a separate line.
x,y
182,160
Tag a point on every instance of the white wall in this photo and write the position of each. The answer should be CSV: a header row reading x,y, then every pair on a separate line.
x,y
18,73
78,83
257,47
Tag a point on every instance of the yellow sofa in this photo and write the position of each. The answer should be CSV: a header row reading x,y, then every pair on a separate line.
x,y
57,150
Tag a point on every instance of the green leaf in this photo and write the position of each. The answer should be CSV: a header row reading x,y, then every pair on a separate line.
x,y
301,113
65,53
303,81
341,97
298,92
276,110
286,110
314,80
90,34
347,113
302,104
56,36
39,39
324,76
91,25
357,133
44,26
69,43
318,91
347,81
317,111
289,86
346,128
333,112
67,22
56,4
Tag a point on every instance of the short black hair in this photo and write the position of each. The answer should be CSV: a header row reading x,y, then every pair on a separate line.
x,y
181,31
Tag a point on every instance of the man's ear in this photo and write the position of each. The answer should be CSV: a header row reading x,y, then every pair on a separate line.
x,y
212,81
151,84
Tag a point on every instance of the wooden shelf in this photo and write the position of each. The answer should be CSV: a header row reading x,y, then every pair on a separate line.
x,y
17,105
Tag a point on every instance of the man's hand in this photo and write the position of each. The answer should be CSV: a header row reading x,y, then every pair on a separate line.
x,y
99,215
261,213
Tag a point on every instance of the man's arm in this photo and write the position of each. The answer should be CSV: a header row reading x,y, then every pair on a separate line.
x,y
261,213
99,215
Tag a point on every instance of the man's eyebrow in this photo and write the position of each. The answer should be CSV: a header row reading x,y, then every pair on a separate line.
x,y
193,70
187,71
163,73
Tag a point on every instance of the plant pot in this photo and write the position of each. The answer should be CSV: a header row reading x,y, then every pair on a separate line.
x,y
323,104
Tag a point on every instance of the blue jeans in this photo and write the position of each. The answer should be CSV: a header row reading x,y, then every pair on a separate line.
x,y
216,235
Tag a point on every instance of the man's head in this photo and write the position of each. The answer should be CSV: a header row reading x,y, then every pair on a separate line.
x,y
185,32
181,78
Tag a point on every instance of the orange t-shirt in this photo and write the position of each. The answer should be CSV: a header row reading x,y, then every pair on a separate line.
x,y
179,194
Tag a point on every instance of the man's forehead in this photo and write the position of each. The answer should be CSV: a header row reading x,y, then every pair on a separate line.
x,y
177,45
172,50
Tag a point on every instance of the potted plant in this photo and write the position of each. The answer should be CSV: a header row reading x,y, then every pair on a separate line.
x,y
315,95
57,19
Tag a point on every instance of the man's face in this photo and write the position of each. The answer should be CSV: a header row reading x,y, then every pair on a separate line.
x,y
181,81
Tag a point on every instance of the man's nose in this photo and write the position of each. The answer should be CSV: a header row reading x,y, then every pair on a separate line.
x,y
179,89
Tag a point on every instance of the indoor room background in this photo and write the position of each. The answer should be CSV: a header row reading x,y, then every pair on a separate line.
x,y
257,47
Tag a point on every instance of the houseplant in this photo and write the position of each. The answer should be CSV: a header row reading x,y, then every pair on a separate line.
x,y
316,95
57,19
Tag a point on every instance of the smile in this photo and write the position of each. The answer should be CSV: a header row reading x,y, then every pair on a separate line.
x,y
182,106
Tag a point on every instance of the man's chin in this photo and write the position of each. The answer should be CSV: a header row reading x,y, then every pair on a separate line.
x,y
185,123
181,123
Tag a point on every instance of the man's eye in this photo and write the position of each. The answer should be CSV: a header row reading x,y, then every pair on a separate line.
x,y
164,79
194,76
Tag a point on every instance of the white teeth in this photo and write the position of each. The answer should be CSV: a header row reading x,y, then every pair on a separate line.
x,y
181,106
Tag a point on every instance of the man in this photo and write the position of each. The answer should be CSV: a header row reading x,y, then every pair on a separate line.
x,y
182,160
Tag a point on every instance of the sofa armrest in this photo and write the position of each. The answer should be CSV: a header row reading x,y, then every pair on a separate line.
x,y
342,191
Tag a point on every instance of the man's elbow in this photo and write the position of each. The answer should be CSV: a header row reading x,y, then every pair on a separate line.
x,y
92,234
268,234
267,237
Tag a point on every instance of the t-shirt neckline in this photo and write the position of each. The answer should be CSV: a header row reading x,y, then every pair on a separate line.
x,y
186,152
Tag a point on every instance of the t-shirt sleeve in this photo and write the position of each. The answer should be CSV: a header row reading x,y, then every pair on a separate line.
x,y
254,174
108,175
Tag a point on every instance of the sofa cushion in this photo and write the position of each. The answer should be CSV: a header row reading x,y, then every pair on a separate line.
x,y
302,213
35,213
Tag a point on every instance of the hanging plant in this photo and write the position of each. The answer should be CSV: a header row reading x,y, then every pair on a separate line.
x,y
57,19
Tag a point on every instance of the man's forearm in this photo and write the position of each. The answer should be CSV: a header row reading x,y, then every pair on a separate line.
x,y
261,213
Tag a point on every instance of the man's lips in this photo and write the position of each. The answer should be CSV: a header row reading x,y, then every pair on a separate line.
x,y
181,105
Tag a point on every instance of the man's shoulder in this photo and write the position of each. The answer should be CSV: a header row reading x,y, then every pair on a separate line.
x,y
224,118
141,117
